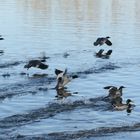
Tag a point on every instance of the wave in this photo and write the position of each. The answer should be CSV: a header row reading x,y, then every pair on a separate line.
x,y
92,133
51,110
98,132
11,64
103,68
28,86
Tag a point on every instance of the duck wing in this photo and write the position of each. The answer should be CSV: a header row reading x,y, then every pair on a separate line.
x,y
108,87
65,72
100,52
57,71
42,66
109,52
97,42
66,80
108,42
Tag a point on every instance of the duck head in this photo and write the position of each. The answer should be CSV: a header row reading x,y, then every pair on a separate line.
x,y
107,37
27,66
130,103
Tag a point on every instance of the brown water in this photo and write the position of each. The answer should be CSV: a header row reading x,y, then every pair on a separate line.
x,y
29,108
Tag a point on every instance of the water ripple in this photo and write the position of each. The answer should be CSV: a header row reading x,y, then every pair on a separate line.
x,y
69,135
49,111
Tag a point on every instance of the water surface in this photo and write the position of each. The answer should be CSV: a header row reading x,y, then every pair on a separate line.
x,y
29,108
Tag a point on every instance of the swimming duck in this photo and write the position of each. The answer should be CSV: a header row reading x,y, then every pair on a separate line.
x,y
63,78
121,106
102,40
37,64
100,54
114,91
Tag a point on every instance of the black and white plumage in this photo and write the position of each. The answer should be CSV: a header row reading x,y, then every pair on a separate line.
x,y
100,54
114,92
62,78
37,64
57,71
102,40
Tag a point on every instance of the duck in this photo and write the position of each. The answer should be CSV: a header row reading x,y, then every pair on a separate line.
x,y
37,64
102,40
100,54
121,106
114,91
62,78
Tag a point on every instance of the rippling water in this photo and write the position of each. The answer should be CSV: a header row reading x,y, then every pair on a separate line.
x,y
29,108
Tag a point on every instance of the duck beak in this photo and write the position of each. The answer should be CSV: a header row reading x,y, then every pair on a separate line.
x,y
132,103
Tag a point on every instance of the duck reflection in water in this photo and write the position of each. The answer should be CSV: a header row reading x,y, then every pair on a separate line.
x,y
102,55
